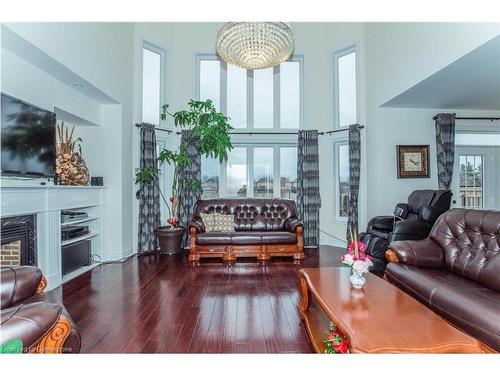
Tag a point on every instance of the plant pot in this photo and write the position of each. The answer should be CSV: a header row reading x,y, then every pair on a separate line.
x,y
170,239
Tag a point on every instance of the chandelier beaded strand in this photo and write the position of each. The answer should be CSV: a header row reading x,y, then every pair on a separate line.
x,y
255,45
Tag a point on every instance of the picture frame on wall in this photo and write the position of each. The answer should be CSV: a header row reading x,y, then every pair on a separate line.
x,y
413,161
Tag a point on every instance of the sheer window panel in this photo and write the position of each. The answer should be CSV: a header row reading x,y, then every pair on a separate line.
x,y
263,176
237,96
290,95
347,91
210,81
288,172
210,177
236,173
263,98
151,86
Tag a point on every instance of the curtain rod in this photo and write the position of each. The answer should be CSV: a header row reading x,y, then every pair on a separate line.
x,y
156,128
264,133
473,118
288,133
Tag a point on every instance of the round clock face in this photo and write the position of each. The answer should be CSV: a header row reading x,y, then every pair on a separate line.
x,y
412,161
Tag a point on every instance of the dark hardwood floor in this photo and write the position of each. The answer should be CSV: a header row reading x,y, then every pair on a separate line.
x,y
159,304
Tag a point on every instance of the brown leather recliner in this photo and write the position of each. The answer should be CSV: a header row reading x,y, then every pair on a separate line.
x,y
38,319
455,271
264,228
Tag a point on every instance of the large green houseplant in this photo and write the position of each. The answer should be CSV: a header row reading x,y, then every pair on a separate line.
x,y
210,134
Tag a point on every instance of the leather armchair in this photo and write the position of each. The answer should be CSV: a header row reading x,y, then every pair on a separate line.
x,y
38,319
455,271
411,221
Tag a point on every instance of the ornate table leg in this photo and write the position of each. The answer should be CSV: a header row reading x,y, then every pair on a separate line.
x,y
304,291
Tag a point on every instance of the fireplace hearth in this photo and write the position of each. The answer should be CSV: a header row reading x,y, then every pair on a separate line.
x,y
18,241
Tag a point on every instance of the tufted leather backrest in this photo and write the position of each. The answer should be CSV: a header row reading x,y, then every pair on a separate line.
x,y
471,243
251,214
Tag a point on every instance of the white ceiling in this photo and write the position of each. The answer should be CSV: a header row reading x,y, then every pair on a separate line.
x,y
471,82
27,51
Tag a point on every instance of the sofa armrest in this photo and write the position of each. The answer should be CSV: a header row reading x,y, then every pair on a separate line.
x,y
292,223
19,283
410,230
382,222
33,324
424,253
198,225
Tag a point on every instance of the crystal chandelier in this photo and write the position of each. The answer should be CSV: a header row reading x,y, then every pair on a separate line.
x,y
255,45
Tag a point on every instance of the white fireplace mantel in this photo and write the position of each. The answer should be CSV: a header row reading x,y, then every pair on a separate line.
x,y
46,202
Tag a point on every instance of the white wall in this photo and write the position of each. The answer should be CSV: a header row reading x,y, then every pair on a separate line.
x,y
316,42
393,57
102,55
399,55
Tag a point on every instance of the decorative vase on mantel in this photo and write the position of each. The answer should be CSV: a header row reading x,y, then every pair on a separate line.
x,y
71,168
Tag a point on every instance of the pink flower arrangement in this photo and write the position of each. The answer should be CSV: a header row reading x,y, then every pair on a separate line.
x,y
356,257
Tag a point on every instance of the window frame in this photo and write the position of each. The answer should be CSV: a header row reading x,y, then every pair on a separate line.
x,y
250,167
160,51
340,141
336,103
250,93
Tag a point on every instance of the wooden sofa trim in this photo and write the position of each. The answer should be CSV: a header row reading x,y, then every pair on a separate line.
x,y
53,341
232,252
42,285
391,256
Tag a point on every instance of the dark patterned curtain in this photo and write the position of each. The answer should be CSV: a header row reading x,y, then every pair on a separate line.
x,y
189,198
354,169
308,197
445,148
148,194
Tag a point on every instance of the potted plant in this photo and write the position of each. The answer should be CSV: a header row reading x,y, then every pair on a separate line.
x,y
210,131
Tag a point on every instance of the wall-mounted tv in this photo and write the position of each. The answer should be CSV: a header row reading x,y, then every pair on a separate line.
x,y
28,139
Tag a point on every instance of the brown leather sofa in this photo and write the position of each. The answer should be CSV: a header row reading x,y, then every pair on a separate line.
x,y
264,228
35,317
455,271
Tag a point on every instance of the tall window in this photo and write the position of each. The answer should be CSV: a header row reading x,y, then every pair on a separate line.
x,y
236,172
266,100
341,179
259,171
152,61
288,172
258,99
346,88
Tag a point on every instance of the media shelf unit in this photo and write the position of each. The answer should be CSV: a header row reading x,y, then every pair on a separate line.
x,y
46,203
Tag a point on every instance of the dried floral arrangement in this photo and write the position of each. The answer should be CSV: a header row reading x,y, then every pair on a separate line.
x,y
70,165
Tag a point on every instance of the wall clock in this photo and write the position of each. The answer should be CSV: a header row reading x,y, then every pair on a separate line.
x,y
413,161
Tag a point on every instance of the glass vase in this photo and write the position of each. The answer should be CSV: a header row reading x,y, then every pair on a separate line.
x,y
357,279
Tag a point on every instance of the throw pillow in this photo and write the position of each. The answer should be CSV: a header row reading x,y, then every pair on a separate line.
x,y
223,223
208,222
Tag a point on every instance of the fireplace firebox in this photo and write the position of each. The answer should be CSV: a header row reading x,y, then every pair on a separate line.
x,y
18,241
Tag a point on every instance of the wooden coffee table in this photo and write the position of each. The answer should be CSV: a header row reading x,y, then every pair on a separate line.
x,y
379,318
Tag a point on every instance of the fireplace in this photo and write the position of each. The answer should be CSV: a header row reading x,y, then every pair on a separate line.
x,y
18,241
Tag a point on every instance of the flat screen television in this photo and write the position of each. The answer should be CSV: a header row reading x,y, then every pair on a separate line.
x,y
28,139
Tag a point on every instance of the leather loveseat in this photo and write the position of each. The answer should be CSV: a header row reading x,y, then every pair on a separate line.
x,y
35,317
455,271
264,228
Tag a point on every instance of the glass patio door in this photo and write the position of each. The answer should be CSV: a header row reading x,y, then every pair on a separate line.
x,y
476,179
